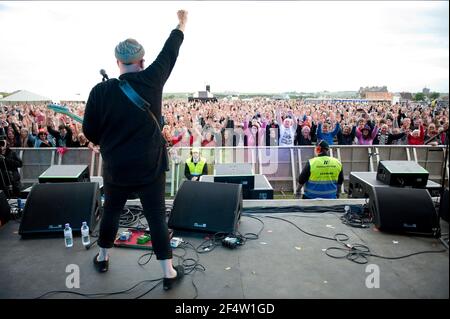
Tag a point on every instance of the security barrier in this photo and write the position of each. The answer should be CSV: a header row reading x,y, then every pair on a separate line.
x,y
281,165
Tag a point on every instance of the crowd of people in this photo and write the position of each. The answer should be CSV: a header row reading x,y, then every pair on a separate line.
x,y
35,125
299,122
257,122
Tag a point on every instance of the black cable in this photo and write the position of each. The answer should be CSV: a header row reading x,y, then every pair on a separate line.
x,y
91,244
89,295
358,219
193,268
147,261
191,265
303,209
211,243
359,253
307,233
356,253
129,218
142,295
252,236
195,262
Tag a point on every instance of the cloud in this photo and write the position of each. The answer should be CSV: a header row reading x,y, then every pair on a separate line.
x,y
235,46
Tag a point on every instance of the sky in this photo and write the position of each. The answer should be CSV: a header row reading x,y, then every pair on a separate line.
x,y
57,48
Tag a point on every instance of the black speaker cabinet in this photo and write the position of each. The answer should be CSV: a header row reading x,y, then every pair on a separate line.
x,y
5,209
404,210
402,173
51,205
207,207
361,185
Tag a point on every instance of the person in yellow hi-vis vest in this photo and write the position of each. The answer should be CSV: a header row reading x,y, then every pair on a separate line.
x,y
196,166
322,175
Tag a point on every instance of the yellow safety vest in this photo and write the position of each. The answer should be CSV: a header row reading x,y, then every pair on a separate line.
x,y
196,169
322,182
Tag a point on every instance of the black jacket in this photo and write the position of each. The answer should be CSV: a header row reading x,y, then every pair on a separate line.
x,y
346,139
9,164
390,138
300,140
60,141
130,142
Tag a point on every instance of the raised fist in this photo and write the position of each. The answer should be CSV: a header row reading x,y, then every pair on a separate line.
x,y
182,16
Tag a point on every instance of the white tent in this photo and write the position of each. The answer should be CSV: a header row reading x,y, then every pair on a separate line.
x,y
70,98
25,96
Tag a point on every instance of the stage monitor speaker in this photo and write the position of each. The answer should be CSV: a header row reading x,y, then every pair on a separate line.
x,y
51,205
247,182
361,184
207,207
5,209
402,173
443,206
404,210
65,174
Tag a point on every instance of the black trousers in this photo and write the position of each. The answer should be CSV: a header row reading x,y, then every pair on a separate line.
x,y
153,203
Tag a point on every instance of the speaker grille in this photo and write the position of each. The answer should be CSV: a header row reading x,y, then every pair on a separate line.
x,y
206,207
49,206
408,210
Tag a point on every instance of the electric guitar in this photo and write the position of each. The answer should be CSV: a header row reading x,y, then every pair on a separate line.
x,y
64,110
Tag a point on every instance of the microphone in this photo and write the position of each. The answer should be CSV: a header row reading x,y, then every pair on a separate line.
x,y
105,76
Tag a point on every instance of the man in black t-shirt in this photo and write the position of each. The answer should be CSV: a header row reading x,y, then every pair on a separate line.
x,y
131,146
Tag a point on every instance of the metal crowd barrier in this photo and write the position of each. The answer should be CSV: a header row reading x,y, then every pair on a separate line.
x,y
281,165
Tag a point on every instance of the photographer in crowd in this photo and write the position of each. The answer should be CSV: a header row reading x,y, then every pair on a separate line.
x,y
9,173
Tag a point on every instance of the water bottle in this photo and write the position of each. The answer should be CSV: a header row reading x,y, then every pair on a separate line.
x,y
68,237
347,209
85,234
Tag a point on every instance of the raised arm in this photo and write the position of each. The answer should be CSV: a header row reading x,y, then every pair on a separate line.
x,y
422,130
358,133
374,132
353,133
166,59
278,116
336,129
319,131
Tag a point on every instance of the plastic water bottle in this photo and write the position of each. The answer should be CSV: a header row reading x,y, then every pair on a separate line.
x,y
347,209
85,234
68,237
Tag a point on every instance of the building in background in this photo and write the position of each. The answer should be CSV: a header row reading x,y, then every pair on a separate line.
x,y
375,93
203,96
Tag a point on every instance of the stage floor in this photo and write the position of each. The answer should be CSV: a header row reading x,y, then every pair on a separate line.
x,y
283,263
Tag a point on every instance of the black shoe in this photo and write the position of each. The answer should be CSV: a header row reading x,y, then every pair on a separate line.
x,y
168,283
101,266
